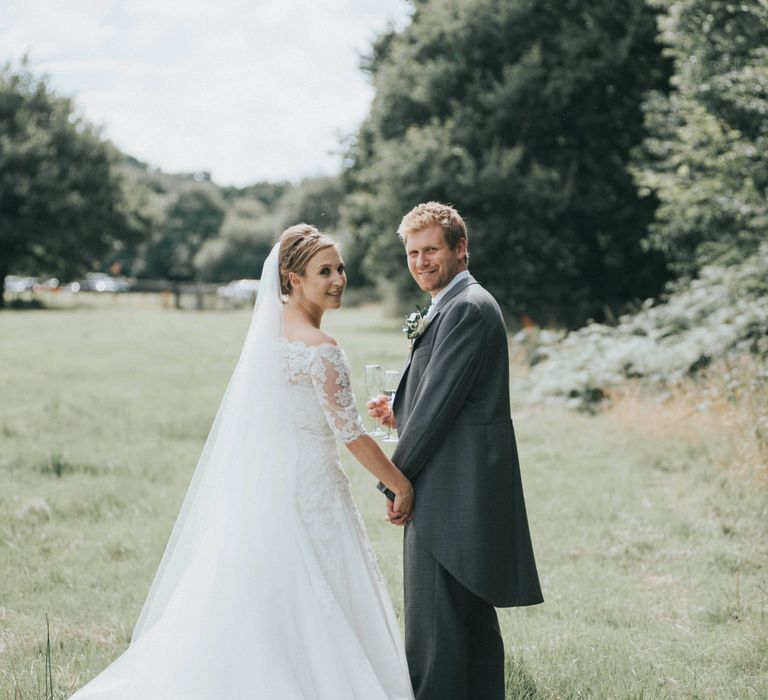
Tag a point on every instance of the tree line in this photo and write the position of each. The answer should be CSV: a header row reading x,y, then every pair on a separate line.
x,y
201,231
597,151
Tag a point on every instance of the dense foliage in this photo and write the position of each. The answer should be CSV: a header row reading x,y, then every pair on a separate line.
x,y
706,158
523,114
721,313
63,206
71,203
193,218
595,150
204,232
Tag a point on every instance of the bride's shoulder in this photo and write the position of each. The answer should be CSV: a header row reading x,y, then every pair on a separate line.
x,y
317,339
312,337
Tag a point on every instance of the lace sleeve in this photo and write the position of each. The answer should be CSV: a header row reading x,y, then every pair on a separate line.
x,y
330,377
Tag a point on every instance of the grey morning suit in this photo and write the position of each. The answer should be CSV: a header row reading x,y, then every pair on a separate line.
x,y
468,547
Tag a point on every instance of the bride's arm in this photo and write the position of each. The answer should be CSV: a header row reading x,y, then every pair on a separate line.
x,y
367,451
330,377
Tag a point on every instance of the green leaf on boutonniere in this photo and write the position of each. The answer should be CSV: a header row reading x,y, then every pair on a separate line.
x,y
416,323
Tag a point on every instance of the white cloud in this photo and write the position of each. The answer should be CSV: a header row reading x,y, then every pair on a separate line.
x,y
248,90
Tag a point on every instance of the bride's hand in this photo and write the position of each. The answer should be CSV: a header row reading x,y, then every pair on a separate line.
x,y
402,508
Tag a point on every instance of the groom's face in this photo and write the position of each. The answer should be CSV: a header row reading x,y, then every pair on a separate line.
x,y
431,261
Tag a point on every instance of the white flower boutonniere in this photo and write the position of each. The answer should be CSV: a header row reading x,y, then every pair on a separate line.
x,y
416,323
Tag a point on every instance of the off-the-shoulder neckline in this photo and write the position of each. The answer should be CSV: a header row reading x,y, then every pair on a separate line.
x,y
307,345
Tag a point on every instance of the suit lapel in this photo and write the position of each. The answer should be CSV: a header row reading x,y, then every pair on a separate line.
x,y
412,350
440,305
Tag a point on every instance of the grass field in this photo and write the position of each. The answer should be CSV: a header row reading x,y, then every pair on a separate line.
x,y
653,556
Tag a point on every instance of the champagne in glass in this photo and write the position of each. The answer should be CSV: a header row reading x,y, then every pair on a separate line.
x,y
374,385
391,380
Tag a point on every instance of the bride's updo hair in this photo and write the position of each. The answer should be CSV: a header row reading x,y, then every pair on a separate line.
x,y
298,245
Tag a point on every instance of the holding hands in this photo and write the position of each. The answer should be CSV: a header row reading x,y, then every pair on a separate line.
x,y
400,511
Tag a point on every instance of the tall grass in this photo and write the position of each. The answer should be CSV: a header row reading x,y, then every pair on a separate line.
x,y
651,549
721,412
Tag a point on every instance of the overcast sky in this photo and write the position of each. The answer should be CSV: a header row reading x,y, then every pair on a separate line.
x,y
247,89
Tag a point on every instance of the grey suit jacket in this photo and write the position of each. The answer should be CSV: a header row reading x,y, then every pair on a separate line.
x,y
457,446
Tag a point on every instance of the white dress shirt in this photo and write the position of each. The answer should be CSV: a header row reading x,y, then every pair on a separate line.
x,y
435,299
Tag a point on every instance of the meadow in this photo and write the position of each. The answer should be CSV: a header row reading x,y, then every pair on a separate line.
x,y
652,550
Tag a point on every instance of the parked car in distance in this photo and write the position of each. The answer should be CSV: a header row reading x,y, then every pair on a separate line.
x,y
99,282
16,284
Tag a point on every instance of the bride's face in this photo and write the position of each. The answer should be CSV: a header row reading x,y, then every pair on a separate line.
x,y
324,279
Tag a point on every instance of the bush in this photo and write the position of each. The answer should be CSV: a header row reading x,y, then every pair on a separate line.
x,y
723,313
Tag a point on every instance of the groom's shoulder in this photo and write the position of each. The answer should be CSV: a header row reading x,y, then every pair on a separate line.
x,y
478,295
476,301
475,290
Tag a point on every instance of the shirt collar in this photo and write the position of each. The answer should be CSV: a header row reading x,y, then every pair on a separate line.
x,y
460,276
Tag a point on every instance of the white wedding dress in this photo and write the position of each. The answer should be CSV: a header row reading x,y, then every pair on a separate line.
x,y
269,587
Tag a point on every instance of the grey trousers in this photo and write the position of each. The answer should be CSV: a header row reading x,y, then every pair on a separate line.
x,y
452,637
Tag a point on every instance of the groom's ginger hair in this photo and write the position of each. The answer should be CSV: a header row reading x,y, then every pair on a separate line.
x,y
429,214
298,245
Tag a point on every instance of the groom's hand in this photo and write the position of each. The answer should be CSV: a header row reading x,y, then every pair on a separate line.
x,y
394,517
381,410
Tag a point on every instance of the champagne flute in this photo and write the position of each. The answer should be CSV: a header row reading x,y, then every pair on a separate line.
x,y
391,380
374,385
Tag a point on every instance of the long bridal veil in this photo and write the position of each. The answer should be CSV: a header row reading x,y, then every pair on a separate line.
x,y
232,483
268,587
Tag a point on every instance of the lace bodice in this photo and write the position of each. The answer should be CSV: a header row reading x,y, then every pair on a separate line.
x,y
323,372
323,408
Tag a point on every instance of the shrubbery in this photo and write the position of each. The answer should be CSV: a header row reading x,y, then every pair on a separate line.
x,y
721,313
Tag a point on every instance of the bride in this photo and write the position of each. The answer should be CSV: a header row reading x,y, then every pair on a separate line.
x,y
268,587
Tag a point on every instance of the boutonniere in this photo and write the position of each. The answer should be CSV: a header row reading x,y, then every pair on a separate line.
x,y
415,323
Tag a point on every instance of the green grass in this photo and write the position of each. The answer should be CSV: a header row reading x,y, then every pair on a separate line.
x,y
653,559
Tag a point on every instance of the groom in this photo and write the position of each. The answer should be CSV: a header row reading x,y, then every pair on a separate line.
x,y
467,547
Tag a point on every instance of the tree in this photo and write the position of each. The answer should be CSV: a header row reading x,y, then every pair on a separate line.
x,y
267,193
253,222
62,206
315,201
243,244
523,114
706,156
194,217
